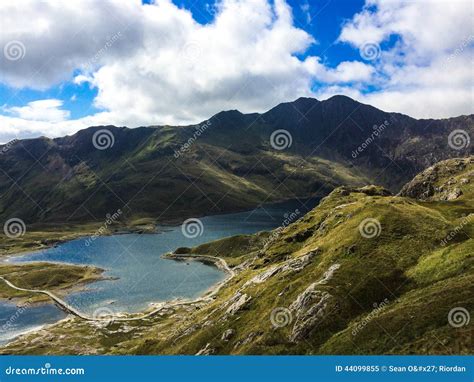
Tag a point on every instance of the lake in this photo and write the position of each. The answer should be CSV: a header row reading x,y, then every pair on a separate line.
x,y
139,275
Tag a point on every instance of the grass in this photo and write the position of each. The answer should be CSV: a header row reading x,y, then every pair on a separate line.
x,y
50,276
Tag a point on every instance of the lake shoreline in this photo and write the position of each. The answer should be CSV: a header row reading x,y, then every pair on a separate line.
x,y
205,296
158,306
139,229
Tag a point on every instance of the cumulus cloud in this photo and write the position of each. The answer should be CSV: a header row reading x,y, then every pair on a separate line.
x,y
428,71
47,110
45,41
154,64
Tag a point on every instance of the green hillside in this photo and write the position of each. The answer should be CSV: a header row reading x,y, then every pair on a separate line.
x,y
224,164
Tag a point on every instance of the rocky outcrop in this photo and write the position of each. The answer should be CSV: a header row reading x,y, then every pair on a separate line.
x,y
311,306
293,265
328,274
263,276
250,338
299,263
440,182
227,335
237,303
206,350
453,194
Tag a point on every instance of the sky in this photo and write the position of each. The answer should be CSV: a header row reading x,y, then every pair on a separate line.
x,y
65,66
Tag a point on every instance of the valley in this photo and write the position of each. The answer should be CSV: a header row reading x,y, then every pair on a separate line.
x,y
364,272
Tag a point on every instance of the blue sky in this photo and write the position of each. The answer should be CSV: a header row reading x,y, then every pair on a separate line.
x,y
322,19
179,62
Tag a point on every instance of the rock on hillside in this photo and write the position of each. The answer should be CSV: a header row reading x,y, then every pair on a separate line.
x,y
446,180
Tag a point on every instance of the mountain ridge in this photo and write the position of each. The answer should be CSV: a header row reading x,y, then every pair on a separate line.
x,y
230,165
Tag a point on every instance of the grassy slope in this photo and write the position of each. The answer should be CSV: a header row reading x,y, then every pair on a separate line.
x,y
53,277
83,187
406,270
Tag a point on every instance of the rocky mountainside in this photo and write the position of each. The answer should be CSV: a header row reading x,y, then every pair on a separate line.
x,y
447,180
232,161
365,272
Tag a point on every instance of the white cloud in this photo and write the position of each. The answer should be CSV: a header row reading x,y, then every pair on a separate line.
x,y
15,127
428,72
47,110
154,64
54,38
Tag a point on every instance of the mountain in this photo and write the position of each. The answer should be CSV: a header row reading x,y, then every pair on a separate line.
x,y
364,272
224,164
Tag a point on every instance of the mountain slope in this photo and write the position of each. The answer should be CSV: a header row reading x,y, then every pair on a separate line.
x,y
228,162
364,272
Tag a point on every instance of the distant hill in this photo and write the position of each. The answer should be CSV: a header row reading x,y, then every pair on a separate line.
x,y
228,164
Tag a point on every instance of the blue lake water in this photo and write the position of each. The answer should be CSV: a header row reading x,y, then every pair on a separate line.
x,y
140,275
18,320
